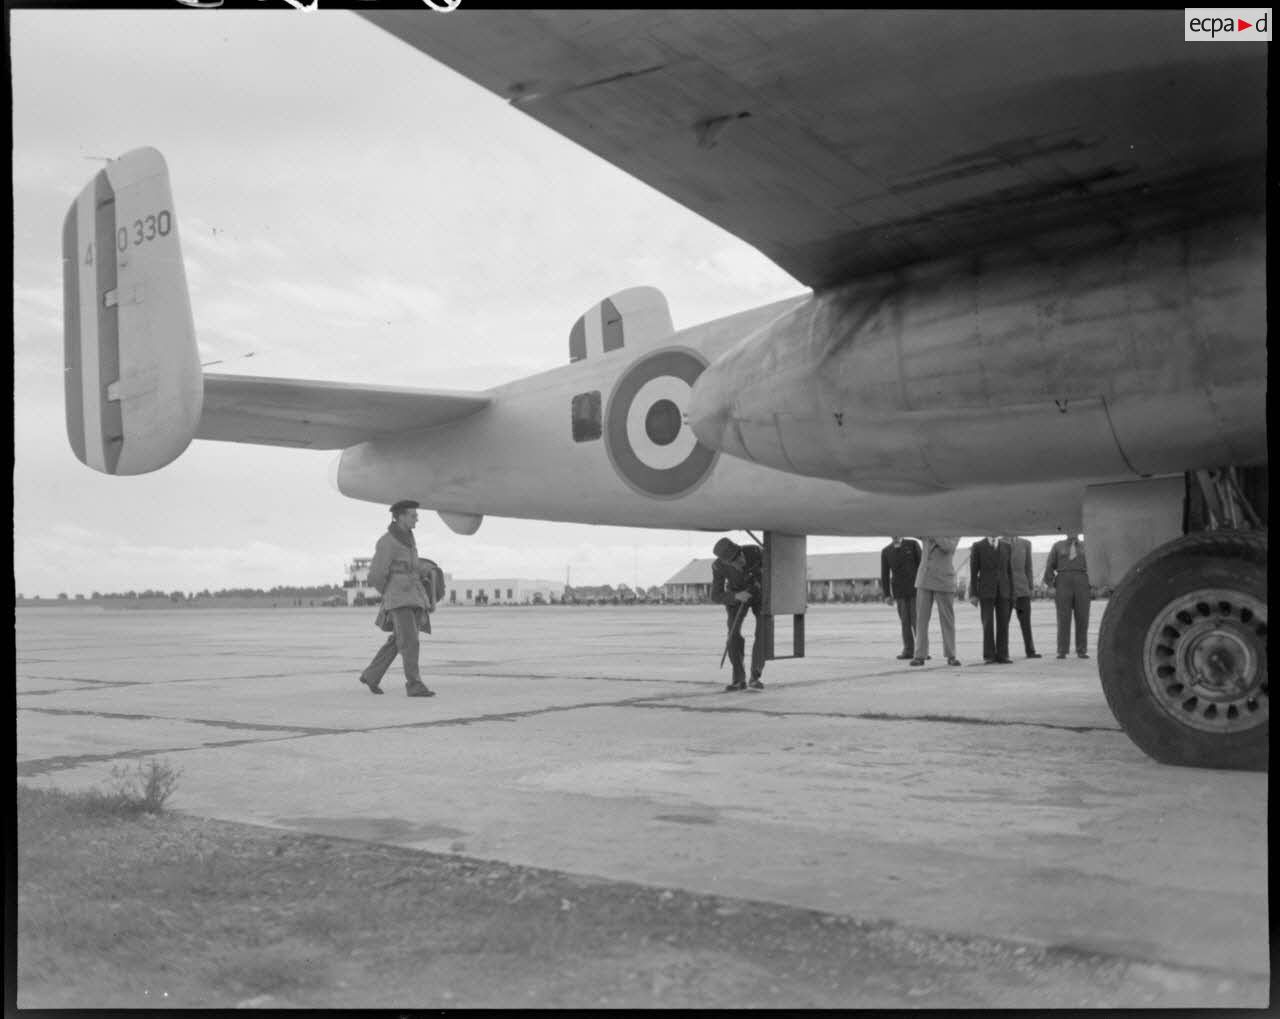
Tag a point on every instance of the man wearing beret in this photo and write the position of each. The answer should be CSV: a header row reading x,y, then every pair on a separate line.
x,y
736,584
396,574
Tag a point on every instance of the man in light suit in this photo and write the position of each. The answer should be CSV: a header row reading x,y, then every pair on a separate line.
x,y
1023,585
936,581
991,589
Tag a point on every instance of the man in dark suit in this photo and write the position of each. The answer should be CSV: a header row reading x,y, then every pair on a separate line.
x,y
899,563
991,589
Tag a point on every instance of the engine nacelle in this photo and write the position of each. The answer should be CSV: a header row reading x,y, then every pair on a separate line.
x,y
134,388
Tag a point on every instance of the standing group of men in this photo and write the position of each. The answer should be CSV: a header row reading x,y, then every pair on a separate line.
x,y
915,577
1000,583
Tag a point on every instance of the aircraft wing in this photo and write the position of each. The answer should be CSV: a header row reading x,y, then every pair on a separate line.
x,y
321,415
846,142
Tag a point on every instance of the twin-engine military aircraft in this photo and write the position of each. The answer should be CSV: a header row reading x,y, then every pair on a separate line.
x,y
1036,247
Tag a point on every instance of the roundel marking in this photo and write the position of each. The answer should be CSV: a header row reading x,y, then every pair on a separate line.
x,y
653,396
648,442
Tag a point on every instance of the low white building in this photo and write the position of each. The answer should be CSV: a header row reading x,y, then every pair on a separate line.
x,y
502,591
830,577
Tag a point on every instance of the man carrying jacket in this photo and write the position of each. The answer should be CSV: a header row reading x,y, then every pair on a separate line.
x,y
396,573
899,563
736,577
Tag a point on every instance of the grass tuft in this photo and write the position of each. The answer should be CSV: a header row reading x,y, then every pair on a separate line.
x,y
142,789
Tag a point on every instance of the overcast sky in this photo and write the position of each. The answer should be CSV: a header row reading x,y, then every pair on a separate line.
x,y
350,211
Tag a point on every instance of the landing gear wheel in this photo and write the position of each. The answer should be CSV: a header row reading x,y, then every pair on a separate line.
x,y
1182,651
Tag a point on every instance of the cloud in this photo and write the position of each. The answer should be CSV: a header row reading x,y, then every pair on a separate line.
x,y
37,311
366,300
209,240
748,270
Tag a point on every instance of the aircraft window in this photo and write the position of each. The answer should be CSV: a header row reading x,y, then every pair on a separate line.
x,y
586,417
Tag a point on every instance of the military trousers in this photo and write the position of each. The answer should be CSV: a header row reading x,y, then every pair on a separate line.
x,y
403,641
738,644
1071,592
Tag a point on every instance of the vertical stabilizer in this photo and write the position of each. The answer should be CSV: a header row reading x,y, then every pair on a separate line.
x,y
134,388
630,318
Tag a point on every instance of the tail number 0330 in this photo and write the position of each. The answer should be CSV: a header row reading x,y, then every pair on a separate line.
x,y
145,229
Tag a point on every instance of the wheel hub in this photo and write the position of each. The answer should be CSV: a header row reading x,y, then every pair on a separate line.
x,y
1205,660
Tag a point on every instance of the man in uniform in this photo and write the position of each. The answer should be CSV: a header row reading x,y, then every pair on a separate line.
x,y
396,573
1067,574
736,578
1023,585
899,563
991,589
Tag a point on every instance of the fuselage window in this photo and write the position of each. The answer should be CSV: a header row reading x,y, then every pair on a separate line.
x,y
586,417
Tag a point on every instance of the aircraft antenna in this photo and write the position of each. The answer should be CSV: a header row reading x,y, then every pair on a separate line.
x,y
206,364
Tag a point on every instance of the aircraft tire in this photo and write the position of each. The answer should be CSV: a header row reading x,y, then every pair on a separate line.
x,y
1182,651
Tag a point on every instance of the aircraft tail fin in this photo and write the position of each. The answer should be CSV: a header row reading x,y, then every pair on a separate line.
x,y
632,317
134,388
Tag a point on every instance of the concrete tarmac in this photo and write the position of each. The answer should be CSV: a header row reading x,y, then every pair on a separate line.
x,y
1001,801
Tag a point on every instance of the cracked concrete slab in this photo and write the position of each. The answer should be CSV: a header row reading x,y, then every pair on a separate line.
x,y
985,800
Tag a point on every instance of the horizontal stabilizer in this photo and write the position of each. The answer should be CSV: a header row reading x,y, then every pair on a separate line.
x,y
132,372
322,415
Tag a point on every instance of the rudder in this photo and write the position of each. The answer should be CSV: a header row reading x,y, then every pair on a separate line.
x,y
133,385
